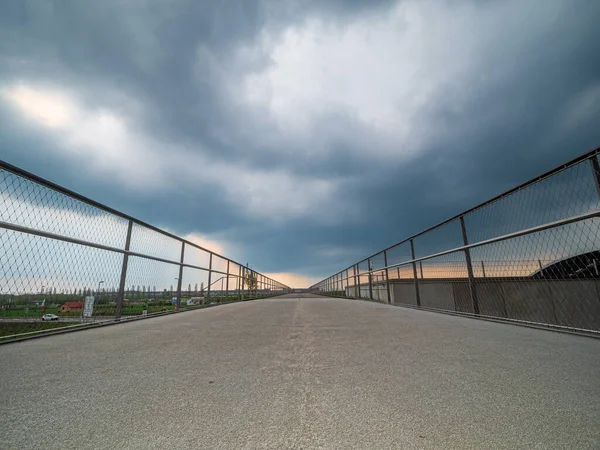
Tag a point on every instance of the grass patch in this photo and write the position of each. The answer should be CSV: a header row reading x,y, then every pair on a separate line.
x,y
10,328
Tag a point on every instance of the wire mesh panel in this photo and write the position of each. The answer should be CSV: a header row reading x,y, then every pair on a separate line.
x,y
450,266
152,243
218,287
338,290
363,280
143,272
403,290
219,264
196,257
347,283
565,194
444,283
444,237
66,261
377,261
351,291
45,283
196,281
548,277
29,204
379,286
532,254
343,284
234,287
396,255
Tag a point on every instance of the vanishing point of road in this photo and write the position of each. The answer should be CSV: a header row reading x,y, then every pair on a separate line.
x,y
302,373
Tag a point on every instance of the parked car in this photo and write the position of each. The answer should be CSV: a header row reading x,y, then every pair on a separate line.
x,y
48,317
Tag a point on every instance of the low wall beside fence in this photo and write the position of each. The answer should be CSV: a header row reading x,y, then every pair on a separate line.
x,y
570,303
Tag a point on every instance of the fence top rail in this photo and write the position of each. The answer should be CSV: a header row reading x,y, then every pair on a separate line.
x,y
68,192
583,157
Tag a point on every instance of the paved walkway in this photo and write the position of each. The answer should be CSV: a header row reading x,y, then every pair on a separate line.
x,y
308,373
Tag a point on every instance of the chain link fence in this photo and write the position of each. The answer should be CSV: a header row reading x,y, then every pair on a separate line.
x,y
67,261
531,254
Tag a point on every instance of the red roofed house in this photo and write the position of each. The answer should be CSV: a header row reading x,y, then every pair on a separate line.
x,y
70,306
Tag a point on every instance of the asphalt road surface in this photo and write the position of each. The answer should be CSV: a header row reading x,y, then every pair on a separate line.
x,y
302,373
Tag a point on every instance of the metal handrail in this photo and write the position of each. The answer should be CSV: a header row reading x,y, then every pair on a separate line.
x,y
504,237
581,158
585,156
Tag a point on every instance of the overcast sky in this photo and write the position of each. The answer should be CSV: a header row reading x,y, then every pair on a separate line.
x,y
299,136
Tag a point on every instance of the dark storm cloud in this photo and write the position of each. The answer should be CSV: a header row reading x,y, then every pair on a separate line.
x,y
160,54
505,125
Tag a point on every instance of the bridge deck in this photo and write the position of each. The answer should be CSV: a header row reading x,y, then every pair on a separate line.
x,y
302,373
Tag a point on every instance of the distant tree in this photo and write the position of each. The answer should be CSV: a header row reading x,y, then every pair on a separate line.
x,y
251,281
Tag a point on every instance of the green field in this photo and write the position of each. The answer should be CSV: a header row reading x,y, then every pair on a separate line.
x,y
99,310
21,311
10,328
106,310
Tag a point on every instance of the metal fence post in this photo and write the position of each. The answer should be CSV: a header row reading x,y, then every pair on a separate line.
x,y
239,282
387,276
483,268
596,172
227,284
243,281
356,283
469,267
121,293
209,276
179,279
416,279
370,279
